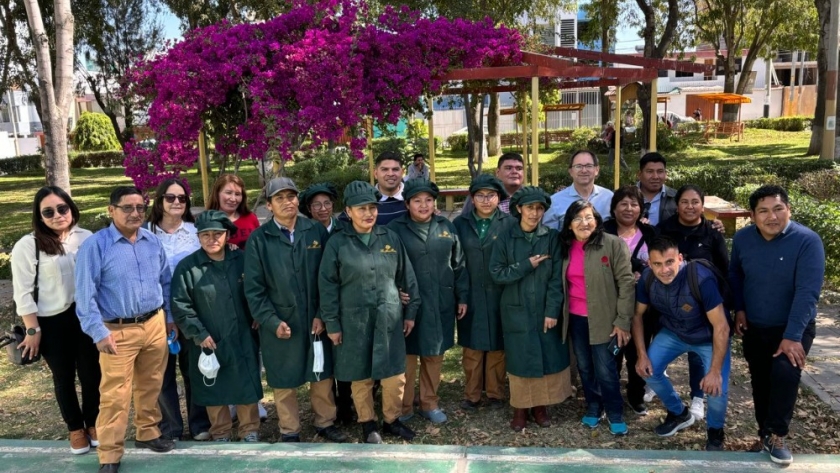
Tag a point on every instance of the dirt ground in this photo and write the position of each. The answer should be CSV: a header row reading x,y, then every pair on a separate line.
x,y
28,411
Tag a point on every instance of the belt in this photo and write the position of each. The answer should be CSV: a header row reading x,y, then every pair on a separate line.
x,y
134,320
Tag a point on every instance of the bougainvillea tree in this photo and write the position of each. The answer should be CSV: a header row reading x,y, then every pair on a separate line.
x,y
309,74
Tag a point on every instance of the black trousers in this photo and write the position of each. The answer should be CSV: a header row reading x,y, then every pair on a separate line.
x,y
68,351
775,381
172,422
635,383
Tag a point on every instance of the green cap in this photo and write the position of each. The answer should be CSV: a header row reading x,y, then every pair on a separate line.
x,y
305,197
529,195
210,220
360,193
488,182
415,186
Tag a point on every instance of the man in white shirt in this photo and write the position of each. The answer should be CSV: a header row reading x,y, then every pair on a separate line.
x,y
584,169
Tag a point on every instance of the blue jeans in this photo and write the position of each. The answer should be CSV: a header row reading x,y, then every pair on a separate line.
x,y
664,349
696,372
598,374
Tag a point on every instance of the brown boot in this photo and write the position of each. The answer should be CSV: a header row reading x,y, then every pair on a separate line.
x,y
520,419
540,414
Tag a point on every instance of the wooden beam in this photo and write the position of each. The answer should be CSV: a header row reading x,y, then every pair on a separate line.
x,y
202,157
660,64
535,131
484,73
432,150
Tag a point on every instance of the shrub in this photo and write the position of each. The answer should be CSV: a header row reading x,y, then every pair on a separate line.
x,y
823,218
822,185
97,159
309,167
458,141
94,132
340,178
582,136
5,265
24,163
393,144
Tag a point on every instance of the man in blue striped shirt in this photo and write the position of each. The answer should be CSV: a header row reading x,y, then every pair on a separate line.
x,y
122,292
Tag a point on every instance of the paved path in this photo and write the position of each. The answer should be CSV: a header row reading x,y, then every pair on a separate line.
x,y
822,374
42,456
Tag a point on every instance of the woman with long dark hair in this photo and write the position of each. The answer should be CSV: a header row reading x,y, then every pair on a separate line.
x,y
172,221
598,309
43,265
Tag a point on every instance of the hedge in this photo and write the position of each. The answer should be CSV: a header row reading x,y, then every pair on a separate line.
x,y
780,124
25,163
35,162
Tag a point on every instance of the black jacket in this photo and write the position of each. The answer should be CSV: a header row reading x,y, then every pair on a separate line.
x,y
700,242
648,234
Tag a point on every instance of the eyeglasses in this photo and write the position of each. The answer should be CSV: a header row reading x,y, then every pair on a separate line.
x,y
318,205
587,219
170,198
129,209
581,167
485,197
49,212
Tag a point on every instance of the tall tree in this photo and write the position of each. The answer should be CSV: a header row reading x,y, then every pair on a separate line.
x,y
603,18
732,26
55,86
115,34
817,125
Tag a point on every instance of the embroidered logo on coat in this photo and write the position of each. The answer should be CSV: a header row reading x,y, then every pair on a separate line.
x,y
387,249
314,246
444,234
687,308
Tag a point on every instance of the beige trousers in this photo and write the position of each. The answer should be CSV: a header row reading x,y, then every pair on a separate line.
x,y
221,423
482,371
430,368
392,394
322,398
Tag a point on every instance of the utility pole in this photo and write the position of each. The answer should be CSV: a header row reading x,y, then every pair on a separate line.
x,y
768,81
829,135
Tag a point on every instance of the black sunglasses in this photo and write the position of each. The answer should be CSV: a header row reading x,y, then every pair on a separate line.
x,y
170,198
49,212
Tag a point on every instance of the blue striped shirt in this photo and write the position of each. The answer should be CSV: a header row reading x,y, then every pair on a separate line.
x,y
116,279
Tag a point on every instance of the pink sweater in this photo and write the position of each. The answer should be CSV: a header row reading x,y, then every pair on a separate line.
x,y
577,280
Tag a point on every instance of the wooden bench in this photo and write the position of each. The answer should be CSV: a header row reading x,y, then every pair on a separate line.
x,y
730,129
716,208
449,195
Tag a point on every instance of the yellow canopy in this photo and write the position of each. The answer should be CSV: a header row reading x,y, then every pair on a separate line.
x,y
726,99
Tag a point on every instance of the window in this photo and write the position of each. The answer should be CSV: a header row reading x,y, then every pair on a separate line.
x,y
683,74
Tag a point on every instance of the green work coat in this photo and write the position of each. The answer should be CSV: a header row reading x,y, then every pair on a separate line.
x,y
610,288
359,286
481,328
281,284
208,299
438,263
529,296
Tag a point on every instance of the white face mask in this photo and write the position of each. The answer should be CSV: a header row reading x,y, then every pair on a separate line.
x,y
209,366
318,357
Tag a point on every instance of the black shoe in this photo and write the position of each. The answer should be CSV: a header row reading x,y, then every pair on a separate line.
x,y
640,409
714,440
398,429
332,434
468,405
290,438
494,404
109,467
370,434
674,423
159,444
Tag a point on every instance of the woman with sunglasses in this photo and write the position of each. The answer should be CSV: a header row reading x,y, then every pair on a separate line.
x,y
228,195
43,265
171,220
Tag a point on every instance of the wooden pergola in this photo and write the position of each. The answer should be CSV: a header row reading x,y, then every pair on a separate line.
x,y
566,64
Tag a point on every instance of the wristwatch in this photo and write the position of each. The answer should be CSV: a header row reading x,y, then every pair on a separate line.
x,y
32,331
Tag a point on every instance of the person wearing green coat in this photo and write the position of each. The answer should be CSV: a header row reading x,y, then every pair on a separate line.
x,y
208,304
526,261
281,284
364,268
436,255
599,284
480,330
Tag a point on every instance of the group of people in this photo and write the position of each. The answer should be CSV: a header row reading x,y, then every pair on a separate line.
x,y
371,298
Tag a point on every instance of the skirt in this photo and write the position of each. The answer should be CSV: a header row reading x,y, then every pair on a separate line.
x,y
532,392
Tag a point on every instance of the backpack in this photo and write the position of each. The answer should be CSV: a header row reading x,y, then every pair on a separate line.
x,y
694,283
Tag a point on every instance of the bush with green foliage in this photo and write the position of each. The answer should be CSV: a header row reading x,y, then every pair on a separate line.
x,y
23,163
94,132
780,123
97,159
327,166
822,185
458,141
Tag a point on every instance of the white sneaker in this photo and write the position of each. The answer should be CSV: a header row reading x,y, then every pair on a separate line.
x,y
698,408
232,412
263,413
649,394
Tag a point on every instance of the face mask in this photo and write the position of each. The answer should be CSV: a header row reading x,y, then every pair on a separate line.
x,y
209,366
318,357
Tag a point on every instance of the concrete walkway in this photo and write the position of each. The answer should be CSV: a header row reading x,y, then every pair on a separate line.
x,y
42,456
822,373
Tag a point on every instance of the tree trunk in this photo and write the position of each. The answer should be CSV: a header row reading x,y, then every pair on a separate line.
x,y
56,93
823,11
474,134
494,138
730,111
